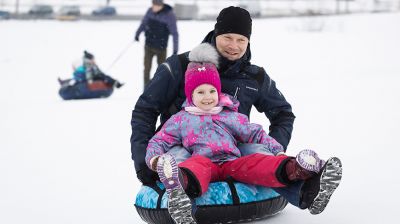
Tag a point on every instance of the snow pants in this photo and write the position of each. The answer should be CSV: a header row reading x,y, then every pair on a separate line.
x,y
290,192
256,169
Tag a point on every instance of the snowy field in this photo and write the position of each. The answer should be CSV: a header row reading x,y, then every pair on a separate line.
x,y
69,162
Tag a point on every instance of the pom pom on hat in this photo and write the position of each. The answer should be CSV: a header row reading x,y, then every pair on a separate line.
x,y
202,69
205,52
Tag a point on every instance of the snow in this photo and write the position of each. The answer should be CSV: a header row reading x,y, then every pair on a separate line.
x,y
69,161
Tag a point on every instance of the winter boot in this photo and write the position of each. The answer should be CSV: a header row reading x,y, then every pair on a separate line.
x,y
306,165
179,204
118,84
64,82
309,160
316,191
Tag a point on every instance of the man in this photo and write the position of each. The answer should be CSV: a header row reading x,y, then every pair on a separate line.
x,y
158,23
250,84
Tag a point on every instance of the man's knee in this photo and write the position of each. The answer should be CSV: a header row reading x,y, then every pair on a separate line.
x,y
251,148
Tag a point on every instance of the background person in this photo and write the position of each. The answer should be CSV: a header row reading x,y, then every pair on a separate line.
x,y
86,70
158,23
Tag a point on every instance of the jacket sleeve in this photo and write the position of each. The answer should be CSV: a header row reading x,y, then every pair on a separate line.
x,y
279,112
143,23
173,29
166,138
247,132
156,98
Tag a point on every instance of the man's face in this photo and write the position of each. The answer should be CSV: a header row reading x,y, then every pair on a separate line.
x,y
231,45
156,8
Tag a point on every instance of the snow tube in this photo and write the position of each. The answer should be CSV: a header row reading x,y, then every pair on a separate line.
x,y
83,90
224,202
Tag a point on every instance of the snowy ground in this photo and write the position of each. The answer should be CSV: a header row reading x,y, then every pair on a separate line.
x,y
69,162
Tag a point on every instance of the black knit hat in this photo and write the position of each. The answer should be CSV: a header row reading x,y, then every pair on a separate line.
x,y
88,55
233,20
158,2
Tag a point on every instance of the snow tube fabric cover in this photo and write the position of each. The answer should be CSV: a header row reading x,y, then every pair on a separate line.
x,y
224,202
83,90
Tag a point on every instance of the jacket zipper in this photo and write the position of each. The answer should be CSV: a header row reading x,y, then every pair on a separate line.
x,y
236,92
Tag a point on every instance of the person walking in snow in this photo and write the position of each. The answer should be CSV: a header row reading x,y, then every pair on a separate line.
x,y
158,23
248,83
209,128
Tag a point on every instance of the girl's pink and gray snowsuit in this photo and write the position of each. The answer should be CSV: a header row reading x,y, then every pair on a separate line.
x,y
212,140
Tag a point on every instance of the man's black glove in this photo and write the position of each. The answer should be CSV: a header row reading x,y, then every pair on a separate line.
x,y
147,176
136,38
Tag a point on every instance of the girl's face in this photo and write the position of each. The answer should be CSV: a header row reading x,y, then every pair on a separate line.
x,y
205,97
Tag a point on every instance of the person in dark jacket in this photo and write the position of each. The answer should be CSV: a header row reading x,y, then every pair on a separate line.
x,y
158,23
248,83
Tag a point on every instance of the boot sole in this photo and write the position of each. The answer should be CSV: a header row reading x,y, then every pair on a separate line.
x,y
329,181
179,204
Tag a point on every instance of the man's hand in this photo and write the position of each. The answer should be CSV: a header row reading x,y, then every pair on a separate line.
x,y
147,176
136,38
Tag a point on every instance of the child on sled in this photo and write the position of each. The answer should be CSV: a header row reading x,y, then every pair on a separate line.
x,y
210,128
87,71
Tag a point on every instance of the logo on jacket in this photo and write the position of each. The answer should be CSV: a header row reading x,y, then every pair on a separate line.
x,y
254,89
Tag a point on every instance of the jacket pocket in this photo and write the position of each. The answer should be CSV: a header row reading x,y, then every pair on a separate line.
x,y
246,92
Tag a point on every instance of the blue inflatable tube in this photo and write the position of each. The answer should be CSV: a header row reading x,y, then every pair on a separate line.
x,y
224,202
83,90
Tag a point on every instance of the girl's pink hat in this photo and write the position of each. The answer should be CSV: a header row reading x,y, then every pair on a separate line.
x,y
202,69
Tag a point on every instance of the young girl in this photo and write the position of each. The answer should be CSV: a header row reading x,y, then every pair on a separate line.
x,y
210,128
